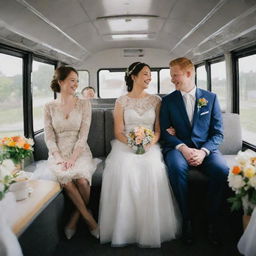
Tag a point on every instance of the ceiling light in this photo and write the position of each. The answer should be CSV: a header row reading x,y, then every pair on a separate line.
x,y
129,36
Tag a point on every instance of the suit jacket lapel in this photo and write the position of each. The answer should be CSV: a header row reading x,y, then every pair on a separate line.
x,y
181,107
196,110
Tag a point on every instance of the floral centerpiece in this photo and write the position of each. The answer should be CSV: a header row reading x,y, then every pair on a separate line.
x,y
242,180
139,137
16,148
8,175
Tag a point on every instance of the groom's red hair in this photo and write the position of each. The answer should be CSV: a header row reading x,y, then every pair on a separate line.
x,y
183,63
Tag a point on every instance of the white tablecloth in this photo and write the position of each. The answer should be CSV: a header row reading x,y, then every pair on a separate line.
x,y
15,217
9,245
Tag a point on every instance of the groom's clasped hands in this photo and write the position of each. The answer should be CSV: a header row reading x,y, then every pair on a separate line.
x,y
193,156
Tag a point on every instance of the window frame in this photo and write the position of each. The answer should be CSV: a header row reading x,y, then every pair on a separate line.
x,y
45,61
27,59
236,54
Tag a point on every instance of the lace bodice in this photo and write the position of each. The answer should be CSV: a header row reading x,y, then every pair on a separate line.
x,y
139,111
67,134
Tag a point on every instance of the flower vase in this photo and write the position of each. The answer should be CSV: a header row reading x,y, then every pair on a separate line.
x,y
19,165
140,150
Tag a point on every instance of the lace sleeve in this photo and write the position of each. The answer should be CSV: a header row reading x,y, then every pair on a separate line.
x,y
85,125
49,133
122,100
156,100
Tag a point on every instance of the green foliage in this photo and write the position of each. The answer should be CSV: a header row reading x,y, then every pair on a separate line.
x,y
16,154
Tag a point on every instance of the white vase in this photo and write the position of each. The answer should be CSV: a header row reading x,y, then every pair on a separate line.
x,y
20,190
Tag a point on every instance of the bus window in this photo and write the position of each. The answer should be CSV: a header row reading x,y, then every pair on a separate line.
x,y
201,77
112,84
83,80
247,97
166,86
152,88
42,74
218,82
11,96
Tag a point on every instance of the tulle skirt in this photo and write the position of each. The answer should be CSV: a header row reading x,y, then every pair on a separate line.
x,y
136,203
247,244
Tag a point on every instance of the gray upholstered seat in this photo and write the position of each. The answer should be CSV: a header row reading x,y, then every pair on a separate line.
x,y
102,132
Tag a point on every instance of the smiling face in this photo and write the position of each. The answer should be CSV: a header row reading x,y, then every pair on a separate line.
x,y
181,78
143,78
70,84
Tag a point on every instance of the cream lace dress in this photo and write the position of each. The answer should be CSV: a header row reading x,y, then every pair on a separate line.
x,y
137,205
67,134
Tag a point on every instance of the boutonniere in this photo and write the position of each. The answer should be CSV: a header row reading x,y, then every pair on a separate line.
x,y
202,102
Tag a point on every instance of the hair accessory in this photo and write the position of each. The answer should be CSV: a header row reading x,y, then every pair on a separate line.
x,y
127,72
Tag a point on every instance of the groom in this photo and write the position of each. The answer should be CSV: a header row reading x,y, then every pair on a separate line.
x,y
196,117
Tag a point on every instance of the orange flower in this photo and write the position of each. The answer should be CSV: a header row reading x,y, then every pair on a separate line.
x,y
26,146
16,138
236,169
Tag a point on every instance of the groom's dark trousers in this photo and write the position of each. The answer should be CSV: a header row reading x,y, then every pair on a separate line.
x,y
213,166
205,131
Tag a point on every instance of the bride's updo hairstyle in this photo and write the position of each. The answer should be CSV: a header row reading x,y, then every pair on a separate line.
x,y
133,69
61,74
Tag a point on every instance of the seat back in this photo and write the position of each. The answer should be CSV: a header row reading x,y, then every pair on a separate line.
x,y
109,130
96,136
232,142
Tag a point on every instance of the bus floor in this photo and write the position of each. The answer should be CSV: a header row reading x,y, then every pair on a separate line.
x,y
84,244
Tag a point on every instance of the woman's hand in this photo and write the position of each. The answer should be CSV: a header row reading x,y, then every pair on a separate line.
x,y
69,163
65,164
171,131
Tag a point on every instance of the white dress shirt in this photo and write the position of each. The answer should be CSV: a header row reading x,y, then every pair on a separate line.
x,y
189,99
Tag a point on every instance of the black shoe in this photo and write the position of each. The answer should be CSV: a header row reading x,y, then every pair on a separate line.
x,y
187,234
213,236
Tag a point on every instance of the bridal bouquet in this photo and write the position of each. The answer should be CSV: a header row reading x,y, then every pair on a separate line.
x,y
140,137
16,148
242,180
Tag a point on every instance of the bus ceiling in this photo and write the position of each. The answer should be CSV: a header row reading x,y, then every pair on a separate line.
x,y
72,31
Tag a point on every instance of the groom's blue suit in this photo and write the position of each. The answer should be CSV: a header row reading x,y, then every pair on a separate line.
x,y
206,131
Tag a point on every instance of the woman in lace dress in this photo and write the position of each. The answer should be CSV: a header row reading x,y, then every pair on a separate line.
x,y
67,122
136,203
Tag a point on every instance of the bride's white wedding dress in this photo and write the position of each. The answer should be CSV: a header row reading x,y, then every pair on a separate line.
x,y
246,244
137,205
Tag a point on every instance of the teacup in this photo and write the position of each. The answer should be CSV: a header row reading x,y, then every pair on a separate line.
x,y
20,190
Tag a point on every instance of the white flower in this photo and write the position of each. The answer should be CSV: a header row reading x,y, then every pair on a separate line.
x,y
243,158
235,181
6,168
30,141
252,182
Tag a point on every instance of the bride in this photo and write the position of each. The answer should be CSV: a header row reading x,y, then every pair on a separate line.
x,y
137,205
